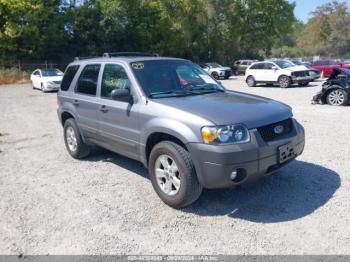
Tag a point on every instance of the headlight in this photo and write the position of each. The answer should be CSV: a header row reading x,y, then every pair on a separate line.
x,y
225,134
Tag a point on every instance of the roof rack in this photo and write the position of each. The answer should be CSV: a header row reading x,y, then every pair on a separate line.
x,y
83,58
131,54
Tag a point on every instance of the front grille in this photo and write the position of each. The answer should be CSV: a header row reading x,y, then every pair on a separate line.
x,y
301,73
268,132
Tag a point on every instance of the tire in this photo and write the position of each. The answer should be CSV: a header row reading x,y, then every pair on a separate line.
x,y
215,75
337,97
189,189
251,81
284,81
81,149
304,84
42,87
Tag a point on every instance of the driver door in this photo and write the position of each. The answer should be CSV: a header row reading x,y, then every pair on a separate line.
x,y
118,120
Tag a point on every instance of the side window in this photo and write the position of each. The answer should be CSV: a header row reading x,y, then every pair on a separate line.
x,y
245,63
114,77
68,77
87,82
257,66
268,66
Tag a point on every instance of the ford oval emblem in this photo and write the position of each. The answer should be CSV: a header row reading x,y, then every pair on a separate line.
x,y
278,129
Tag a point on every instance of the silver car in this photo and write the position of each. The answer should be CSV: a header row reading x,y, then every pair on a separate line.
x,y
184,126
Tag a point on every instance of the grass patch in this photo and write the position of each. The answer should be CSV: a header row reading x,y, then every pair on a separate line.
x,y
13,76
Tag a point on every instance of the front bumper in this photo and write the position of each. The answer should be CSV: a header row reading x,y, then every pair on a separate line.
x,y
302,79
253,160
51,87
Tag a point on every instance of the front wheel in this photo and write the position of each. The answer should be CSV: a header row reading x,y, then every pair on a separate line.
x,y
337,97
215,75
173,175
284,81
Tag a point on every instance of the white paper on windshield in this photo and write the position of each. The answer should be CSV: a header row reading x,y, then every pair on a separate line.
x,y
208,79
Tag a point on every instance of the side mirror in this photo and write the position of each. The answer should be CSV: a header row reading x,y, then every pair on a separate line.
x,y
121,95
274,68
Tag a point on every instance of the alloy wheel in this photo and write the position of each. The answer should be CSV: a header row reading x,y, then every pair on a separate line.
x,y
71,139
336,97
167,175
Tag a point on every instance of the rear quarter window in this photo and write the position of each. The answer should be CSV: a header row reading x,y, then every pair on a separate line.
x,y
68,77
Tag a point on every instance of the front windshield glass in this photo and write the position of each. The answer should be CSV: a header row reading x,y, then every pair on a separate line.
x,y
214,65
296,62
51,72
170,78
284,63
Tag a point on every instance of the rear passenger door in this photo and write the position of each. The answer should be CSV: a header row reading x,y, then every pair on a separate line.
x,y
85,102
257,70
118,120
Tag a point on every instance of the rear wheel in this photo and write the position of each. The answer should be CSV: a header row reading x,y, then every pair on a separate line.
x,y
73,140
337,97
173,174
251,81
284,81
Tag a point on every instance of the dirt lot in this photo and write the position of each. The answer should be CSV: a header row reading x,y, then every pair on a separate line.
x,y
53,204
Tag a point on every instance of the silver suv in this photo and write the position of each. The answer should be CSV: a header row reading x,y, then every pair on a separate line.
x,y
183,125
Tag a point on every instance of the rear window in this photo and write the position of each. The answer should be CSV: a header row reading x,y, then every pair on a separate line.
x,y
68,77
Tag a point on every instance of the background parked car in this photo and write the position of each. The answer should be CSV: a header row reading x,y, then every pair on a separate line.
x,y
327,66
282,72
336,90
216,70
46,79
314,73
240,66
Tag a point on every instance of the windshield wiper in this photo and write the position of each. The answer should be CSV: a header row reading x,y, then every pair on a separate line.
x,y
206,89
171,92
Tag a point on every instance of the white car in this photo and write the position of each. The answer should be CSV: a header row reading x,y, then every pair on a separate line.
x,y
46,79
217,71
280,72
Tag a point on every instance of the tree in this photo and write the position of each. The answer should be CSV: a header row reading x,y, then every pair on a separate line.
x,y
328,31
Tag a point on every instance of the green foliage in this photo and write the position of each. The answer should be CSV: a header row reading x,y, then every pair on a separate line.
x,y
328,31
200,30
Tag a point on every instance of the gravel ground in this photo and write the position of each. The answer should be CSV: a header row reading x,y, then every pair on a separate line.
x,y
53,204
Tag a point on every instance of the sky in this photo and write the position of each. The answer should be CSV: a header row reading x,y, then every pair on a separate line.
x,y
304,7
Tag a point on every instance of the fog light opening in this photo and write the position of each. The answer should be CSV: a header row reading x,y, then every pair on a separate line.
x,y
238,175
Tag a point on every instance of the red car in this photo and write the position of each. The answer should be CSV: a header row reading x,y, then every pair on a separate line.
x,y
327,66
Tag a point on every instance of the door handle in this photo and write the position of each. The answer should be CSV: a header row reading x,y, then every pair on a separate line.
x,y
76,102
103,109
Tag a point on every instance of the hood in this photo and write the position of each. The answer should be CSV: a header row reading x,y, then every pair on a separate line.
x,y
52,78
223,68
297,68
231,108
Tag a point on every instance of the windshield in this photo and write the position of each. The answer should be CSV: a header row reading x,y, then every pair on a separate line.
x,y
284,63
51,72
214,65
296,62
166,78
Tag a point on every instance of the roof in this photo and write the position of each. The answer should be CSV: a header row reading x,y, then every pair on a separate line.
x,y
125,59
